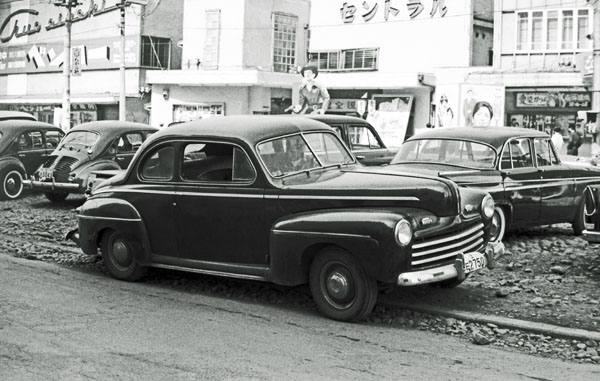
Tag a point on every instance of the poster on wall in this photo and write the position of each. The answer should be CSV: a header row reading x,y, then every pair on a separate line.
x,y
389,114
481,105
446,102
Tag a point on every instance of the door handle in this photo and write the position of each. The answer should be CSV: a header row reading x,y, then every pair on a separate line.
x,y
22,155
360,157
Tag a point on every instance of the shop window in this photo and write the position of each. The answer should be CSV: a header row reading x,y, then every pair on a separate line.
x,y
189,112
284,42
155,52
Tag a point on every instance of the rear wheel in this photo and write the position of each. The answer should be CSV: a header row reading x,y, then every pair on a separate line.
x,y
119,254
56,196
498,225
585,210
340,286
12,184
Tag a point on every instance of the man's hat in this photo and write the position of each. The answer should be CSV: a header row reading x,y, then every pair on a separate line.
x,y
310,67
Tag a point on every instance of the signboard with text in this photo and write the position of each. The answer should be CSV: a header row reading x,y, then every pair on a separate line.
x,y
579,99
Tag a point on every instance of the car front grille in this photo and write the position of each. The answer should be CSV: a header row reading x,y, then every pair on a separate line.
x,y
440,250
49,161
64,164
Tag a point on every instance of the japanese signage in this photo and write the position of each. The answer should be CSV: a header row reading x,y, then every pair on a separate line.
x,y
342,105
17,23
391,9
76,71
48,57
554,99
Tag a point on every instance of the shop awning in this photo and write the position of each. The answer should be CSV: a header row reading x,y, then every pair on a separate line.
x,y
57,99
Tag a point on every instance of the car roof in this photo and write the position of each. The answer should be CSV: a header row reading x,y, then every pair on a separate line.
x,y
494,136
331,118
249,128
16,125
15,115
111,125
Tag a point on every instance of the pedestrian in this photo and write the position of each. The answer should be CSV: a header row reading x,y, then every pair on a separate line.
x,y
482,114
313,96
557,139
575,142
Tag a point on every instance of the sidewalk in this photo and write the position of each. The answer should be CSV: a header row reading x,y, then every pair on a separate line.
x,y
524,325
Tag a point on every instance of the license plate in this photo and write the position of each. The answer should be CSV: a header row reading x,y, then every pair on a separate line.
x,y
45,173
473,262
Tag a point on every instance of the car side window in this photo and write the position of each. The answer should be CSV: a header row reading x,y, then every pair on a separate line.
x,y
29,141
544,154
158,165
362,138
52,138
129,142
215,162
516,154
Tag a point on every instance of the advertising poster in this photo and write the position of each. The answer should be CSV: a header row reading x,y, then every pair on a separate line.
x,y
389,114
481,105
446,102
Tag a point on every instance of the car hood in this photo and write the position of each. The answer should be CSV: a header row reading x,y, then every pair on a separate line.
x,y
376,187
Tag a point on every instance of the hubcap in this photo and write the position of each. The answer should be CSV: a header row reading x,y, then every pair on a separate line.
x,y
337,285
495,231
120,253
13,184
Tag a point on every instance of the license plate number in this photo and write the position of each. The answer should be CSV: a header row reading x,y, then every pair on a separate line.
x,y
473,262
45,173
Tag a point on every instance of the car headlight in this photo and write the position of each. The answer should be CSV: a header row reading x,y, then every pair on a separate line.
x,y
487,206
403,232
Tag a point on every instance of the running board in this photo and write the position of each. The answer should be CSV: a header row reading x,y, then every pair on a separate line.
x,y
210,272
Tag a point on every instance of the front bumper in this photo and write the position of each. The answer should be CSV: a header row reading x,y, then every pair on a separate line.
x,y
53,185
591,236
493,251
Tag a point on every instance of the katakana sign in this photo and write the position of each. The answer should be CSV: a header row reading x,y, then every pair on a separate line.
x,y
367,9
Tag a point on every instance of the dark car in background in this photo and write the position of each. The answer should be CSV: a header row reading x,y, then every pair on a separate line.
x,y
16,115
24,146
281,199
519,167
362,138
101,145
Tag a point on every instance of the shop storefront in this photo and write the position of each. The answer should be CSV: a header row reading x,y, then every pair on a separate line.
x,y
544,109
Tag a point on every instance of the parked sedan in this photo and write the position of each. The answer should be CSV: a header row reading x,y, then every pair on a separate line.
x,y
24,145
89,147
281,199
519,167
360,136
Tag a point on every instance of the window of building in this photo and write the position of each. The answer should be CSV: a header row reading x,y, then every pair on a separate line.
x,y
284,42
552,30
352,59
156,52
583,29
211,44
325,60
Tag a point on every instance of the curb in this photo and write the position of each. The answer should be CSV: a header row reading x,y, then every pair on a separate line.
x,y
524,325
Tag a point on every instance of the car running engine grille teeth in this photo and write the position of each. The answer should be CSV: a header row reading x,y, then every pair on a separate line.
x,y
49,161
439,250
64,164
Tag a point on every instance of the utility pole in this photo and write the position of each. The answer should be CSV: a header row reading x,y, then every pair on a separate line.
x,y
66,104
122,98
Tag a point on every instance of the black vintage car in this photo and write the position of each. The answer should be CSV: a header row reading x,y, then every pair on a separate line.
x,y
519,167
16,115
24,145
281,199
102,145
360,136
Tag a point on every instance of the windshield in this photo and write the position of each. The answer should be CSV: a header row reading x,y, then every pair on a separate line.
x,y
446,151
79,138
303,152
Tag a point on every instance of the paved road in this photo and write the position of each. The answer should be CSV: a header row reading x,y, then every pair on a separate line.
x,y
60,323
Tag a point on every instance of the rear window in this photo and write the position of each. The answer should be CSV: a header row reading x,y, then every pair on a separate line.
x,y
447,151
82,138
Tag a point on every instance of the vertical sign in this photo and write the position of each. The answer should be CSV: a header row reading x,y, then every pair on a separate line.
x,y
76,64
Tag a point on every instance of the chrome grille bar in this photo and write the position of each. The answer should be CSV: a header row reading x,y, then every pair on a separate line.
x,y
447,247
451,238
454,253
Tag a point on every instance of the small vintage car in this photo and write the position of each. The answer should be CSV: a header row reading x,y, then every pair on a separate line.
x,y
282,199
24,145
88,147
16,115
519,167
360,136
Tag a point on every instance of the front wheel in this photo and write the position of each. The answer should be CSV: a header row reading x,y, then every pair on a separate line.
x,y
340,286
12,184
56,196
119,254
498,225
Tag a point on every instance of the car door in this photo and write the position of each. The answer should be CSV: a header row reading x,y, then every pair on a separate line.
x,y
219,206
521,181
557,185
30,149
366,146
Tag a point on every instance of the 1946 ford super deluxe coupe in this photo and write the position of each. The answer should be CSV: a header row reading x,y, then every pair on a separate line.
x,y
281,199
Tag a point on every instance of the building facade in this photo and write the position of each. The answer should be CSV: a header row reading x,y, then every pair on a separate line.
x,y
238,57
543,58
32,35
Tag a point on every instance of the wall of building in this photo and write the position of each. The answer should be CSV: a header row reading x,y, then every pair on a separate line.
x,y
258,34
231,39
483,42
164,18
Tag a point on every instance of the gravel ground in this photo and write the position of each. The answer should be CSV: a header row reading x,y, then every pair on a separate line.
x,y
547,275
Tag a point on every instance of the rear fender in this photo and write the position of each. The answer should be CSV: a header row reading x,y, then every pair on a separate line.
x,y
82,173
367,235
12,162
97,216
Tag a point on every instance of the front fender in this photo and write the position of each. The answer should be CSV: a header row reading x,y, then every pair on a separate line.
x,y
99,214
367,235
9,161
